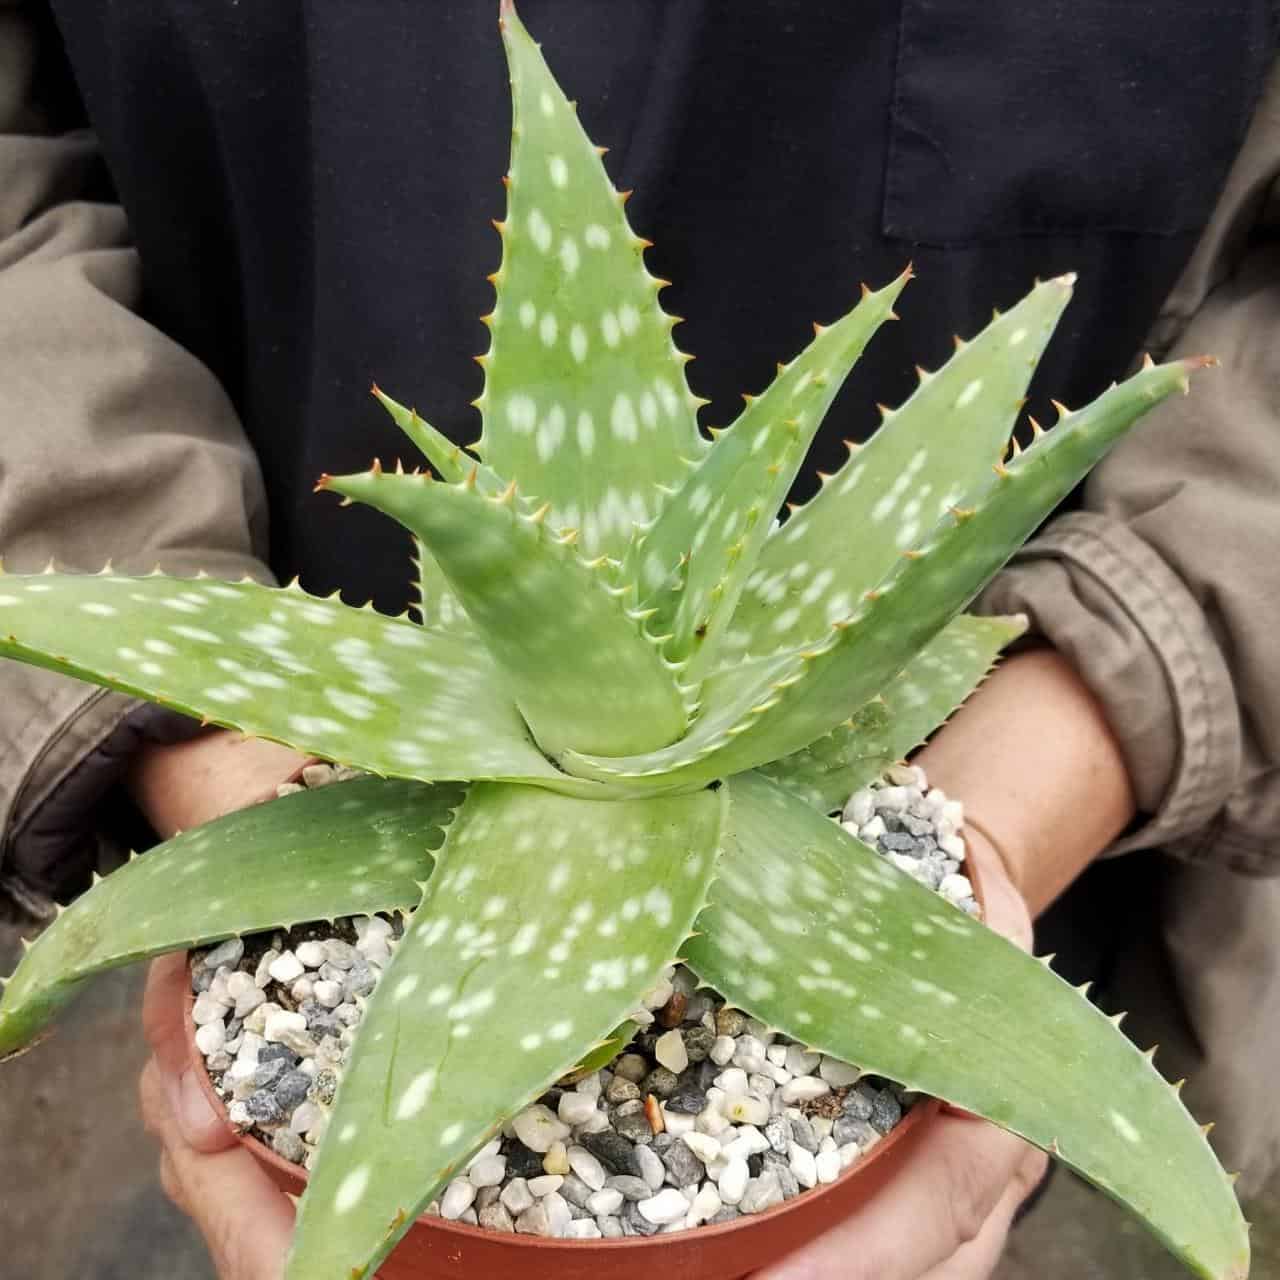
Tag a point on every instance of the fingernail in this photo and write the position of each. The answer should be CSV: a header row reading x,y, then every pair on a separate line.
x,y
194,1112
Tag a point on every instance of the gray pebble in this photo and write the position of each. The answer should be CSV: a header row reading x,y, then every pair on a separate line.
x,y
286,1143
635,1128
263,1108
780,1167
266,1073
622,1090
291,1089
682,1166
270,1052
521,1162
856,1105
762,1193
201,980
631,1066
688,1100
632,1188
610,1226
698,1042
660,1082
486,1196
652,1170
846,1130
778,1132
534,1221
324,1086
803,1135
575,1191
727,1214
886,1111
613,1151
496,1218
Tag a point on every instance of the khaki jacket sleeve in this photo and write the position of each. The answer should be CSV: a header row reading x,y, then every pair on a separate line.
x,y
114,442
1164,590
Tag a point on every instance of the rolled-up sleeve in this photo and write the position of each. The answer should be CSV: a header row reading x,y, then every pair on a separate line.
x,y
1164,590
115,443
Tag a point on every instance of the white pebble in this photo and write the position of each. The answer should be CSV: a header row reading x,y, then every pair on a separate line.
x,y
538,1127
657,996
206,1010
304,1117
312,954
582,1229
711,1121
706,1204
604,1202
670,1051
953,847
302,990
279,1025
488,1171
705,1147
749,1054
873,830
956,888
777,1053
667,1206
800,1062
516,1197
589,1085
544,1185
286,968
860,808
722,1050
211,1037
596,1122
802,1165
838,1074
318,775
827,1165
732,1181
261,975
804,1089
734,1080
576,1108
676,1123
328,994
848,1154
652,1170
892,799
558,1213
744,1109
458,1197
587,1167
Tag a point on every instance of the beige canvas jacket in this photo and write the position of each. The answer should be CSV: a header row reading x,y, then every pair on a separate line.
x,y
1164,591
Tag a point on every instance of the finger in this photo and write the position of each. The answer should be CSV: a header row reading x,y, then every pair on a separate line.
x,y
935,1205
246,1222
163,1020
977,1259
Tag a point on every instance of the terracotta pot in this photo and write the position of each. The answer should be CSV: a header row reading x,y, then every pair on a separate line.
x,y
434,1249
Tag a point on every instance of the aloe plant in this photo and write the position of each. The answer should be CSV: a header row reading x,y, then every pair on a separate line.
x,y
613,737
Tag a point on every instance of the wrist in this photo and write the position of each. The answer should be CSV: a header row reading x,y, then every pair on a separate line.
x,y
182,785
1040,774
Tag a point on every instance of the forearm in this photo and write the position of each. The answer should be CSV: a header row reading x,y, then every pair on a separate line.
x,y
1038,770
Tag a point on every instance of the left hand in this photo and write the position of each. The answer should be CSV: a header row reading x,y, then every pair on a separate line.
x,y
246,1222
947,1212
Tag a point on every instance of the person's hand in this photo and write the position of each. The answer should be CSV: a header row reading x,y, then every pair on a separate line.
x,y
180,785
246,1222
947,1211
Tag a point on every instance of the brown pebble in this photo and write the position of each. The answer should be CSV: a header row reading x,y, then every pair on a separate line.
x,y
653,1113
672,1013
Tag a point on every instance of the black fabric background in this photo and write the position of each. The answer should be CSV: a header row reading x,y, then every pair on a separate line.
x,y
310,186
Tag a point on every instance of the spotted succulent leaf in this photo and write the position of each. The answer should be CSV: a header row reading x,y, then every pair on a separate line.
x,y
803,694
914,703
524,589
585,398
351,848
547,919
811,932
449,460
691,565
383,694
933,453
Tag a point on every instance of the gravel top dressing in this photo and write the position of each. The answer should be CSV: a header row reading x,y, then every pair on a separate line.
x,y
705,1116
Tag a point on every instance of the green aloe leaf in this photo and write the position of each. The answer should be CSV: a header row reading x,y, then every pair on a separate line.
x,y
933,453
383,694
812,933
803,694
448,459
886,729
718,521
585,401
346,849
545,922
525,590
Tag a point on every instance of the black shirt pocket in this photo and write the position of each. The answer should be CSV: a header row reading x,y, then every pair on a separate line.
x,y
1095,116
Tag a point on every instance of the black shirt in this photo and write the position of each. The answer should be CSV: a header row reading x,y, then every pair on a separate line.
x,y
310,187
